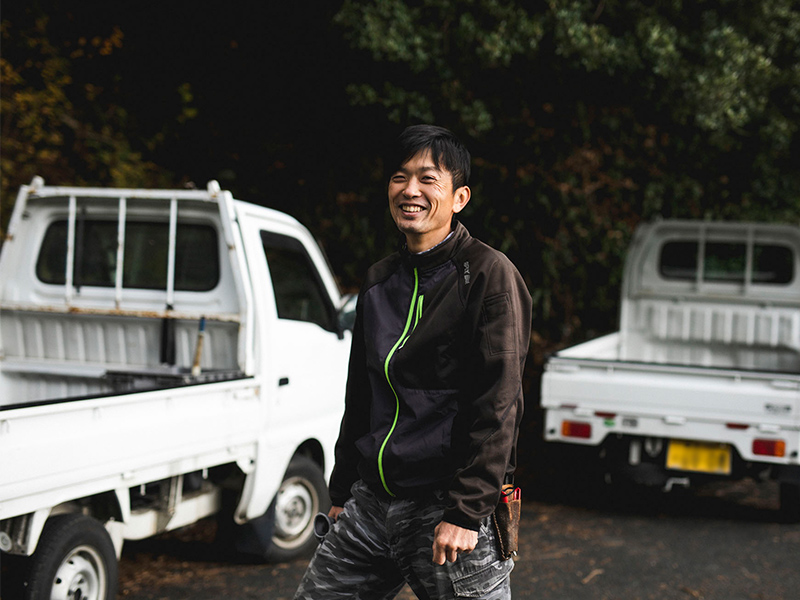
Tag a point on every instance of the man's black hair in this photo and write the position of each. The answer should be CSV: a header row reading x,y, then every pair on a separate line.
x,y
446,149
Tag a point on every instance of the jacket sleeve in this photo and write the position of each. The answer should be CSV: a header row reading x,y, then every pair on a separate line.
x,y
490,408
355,421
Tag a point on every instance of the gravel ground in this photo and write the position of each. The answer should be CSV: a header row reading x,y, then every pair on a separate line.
x,y
722,541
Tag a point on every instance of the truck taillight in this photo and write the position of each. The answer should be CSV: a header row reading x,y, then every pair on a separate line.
x,y
769,447
576,429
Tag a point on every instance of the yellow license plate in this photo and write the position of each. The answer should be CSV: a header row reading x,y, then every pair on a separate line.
x,y
699,457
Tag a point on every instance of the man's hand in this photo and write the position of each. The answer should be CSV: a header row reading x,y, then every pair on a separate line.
x,y
333,513
451,540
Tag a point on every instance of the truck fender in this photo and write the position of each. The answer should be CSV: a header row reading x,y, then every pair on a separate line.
x,y
116,531
262,482
34,530
116,528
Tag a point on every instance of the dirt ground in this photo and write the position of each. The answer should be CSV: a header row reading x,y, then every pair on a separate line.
x,y
722,541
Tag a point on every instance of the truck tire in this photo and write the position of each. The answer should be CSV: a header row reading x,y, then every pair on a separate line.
x,y
301,496
790,501
75,558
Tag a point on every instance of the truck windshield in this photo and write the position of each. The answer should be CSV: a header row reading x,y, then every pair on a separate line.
x,y
197,263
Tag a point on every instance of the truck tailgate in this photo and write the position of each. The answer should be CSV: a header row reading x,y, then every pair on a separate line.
x,y
663,390
615,397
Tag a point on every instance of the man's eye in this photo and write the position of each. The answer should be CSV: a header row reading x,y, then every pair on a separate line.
x,y
428,179
398,179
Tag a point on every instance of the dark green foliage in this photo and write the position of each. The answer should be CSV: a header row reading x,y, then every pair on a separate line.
x,y
587,117
584,118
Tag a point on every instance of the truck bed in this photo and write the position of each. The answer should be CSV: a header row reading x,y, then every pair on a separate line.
x,y
91,446
128,381
672,353
666,400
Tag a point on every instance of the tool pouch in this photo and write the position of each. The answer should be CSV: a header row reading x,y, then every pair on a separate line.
x,y
506,524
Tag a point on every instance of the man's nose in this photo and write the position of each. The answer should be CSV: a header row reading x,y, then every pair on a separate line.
x,y
412,188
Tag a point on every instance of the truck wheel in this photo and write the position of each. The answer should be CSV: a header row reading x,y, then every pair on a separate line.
x,y
75,559
301,496
790,501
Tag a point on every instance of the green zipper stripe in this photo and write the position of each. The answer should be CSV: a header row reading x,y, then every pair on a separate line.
x,y
397,345
416,320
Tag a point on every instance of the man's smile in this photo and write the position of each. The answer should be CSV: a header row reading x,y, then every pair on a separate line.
x,y
411,208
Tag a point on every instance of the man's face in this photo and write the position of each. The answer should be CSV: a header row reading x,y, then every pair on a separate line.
x,y
422,201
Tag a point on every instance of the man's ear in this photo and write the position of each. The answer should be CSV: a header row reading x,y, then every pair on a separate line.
x,y
460,198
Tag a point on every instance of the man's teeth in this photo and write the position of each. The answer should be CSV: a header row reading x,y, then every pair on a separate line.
x,y
410,208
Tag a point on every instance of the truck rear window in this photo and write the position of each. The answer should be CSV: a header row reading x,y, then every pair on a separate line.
x,y
726,262
197,264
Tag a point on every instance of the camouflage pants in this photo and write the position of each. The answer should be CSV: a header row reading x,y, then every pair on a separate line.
x,y
378,545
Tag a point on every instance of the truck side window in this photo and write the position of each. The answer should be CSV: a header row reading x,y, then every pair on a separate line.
x,y
299,292
773,264
197,265
678,261
726,262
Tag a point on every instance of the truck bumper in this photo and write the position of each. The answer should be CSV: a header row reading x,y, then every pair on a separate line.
x,y
647,461
637,448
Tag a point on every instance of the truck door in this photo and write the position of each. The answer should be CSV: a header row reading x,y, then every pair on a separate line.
x,y
309,352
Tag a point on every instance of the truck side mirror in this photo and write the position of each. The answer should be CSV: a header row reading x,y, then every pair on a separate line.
x,y
346,316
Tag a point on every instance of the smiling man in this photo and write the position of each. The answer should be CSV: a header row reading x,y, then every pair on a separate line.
x,y
423,199
433,402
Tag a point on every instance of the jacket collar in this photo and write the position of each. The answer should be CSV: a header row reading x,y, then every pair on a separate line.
x,y
438,254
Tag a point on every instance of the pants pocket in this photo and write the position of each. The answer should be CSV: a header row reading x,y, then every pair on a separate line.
x,y
482,573
482,582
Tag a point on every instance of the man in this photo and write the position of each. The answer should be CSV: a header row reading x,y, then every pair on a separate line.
x,y
433,402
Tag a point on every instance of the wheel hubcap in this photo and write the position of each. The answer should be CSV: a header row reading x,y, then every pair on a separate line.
x,y
80,577
295,507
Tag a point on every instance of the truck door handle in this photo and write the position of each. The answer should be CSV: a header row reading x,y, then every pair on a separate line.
x,y
283,381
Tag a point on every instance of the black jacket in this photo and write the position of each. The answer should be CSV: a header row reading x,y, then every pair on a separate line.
x,y
434,392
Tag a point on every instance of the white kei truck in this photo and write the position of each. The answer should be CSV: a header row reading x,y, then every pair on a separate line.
x,y
702,380
165,356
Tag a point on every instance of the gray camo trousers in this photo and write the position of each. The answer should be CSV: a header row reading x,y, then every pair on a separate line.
x,y
378,545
